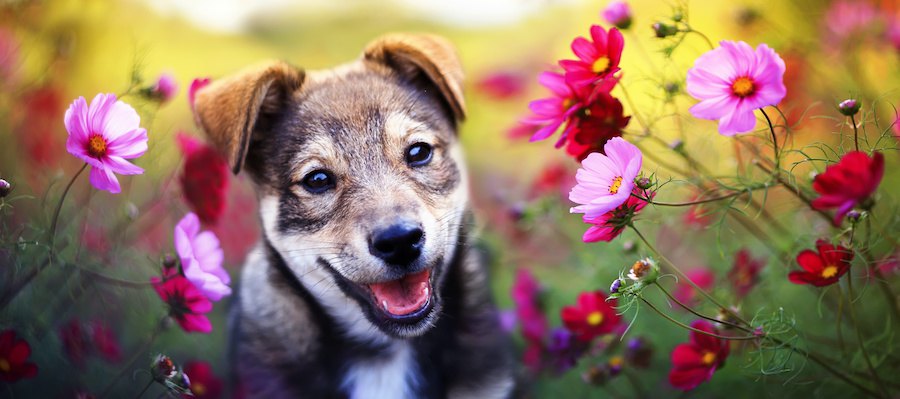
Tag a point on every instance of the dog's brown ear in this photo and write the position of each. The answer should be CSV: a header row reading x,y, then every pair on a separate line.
x,y
412,55
229,109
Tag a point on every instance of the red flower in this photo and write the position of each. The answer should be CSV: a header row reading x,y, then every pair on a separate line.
x,y
204,180
75,342
592,316
685,292
597,58
745,273
105,342
555,178
550,113
204,384
187,305
823,268
602,120
695,362
501,85
13,354
849,182
609,225
196,84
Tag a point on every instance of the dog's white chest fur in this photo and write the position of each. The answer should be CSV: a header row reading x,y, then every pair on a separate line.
x,y
392,376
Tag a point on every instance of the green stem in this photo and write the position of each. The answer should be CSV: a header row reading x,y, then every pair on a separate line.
x,y
708,42
143,391
774,142
53,223
685,277
134,358
698,314
859,338
703,201
855,132
685,326
799,194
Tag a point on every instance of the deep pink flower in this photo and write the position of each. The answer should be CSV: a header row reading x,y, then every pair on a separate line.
x,y
201,258
694,363
745,273
893,33
618,14
76,343
846,18
104,135
732,81
822,267
196,84
591,316
14,353
685,292
848,183
550,113
204,179
502,85
187,305
598,58
526,296
609,225
606,181
165,88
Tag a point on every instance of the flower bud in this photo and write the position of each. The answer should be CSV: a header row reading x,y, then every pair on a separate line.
x,y
629,246
677,145
5,188
644,271
678,16
165,88
663,30
671,88
618,14
849,107
643,183
616,284
854,216
163,368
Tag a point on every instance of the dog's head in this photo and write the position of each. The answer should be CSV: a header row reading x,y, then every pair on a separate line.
x,y
359,174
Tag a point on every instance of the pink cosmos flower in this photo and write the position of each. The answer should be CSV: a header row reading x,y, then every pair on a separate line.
x,y
196,84
893,34
552,112
732,81
201,258
104,135
845,18
618,14
606,181
597,58
187,305
609,225
166,87
502,85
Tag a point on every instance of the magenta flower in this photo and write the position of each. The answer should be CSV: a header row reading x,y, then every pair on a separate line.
x,y
104,135
606,181
848,183
618,14
166,87
846,18
201,258
552,112
196,84
732,81
187,305
598,58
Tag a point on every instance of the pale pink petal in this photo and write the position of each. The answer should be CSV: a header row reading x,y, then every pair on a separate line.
x,y
702,84
97,114
121,166
621,152
129,145
120,119
714,108
75,120
742,120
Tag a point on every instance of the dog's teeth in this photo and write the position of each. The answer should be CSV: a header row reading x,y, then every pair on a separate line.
x,y
384,303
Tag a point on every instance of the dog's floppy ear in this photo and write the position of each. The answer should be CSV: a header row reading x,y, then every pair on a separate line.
x,y
412,55
229,109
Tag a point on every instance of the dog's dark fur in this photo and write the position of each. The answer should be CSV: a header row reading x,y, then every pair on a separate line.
x,y
304,324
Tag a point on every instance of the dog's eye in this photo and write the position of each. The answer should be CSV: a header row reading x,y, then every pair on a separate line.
x,y
418,154
318,181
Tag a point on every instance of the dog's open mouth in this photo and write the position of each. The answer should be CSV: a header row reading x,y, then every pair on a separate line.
x,y
405,298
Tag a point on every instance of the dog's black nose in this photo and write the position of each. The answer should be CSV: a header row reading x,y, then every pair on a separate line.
x,y
399,244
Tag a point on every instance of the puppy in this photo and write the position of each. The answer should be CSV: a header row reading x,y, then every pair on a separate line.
x,y
364,284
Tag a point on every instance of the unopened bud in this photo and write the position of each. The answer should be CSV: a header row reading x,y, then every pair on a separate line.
x,y
5,188
854,216
616,284
849,107
663,30
643,183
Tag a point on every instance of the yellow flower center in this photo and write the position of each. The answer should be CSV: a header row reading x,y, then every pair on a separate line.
x,y
743,87
708,358
567,103
616,183
595,318
96,146
601,65
616,361
829,271
198,389
4,365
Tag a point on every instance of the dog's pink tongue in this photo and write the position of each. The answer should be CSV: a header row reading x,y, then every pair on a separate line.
x,y
403,296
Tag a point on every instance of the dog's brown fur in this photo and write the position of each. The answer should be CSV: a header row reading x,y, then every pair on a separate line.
x,y
302,327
